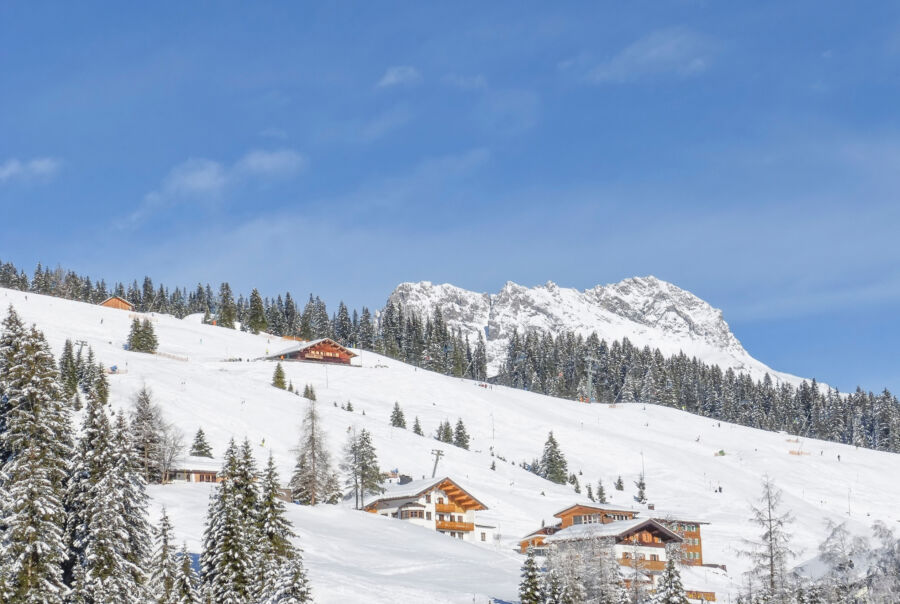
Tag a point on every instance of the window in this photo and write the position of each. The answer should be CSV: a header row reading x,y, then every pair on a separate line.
x,y
484,536
427,497
427,515
440,500
654,557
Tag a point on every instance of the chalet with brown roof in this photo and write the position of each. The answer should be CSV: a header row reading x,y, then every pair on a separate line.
x,y
323,350
117,302
439,504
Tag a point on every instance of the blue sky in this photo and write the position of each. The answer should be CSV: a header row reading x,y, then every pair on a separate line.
x,y
749,153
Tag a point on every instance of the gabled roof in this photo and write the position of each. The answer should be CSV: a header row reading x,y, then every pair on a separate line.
x,y
544,530
618,530
602,507
417,488
300,346
117,298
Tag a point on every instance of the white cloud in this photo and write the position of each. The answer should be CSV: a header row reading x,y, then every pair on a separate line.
x,y
675,51
39,167
400,75
205,181
282,162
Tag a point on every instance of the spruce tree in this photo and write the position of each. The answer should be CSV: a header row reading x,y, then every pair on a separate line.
x,y
146,434
200,446
619,485
149,343
360,466
186,581
256,321
309,392
36,441
460,436
278,378
227,563
163,565
314,481
417,427
397,419
291,585
274,546
601,492
530,587
769,555
641,485
669,589
227,312
553,463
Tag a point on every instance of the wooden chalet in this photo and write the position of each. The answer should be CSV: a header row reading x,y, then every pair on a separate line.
x,y
191,468
639,544
573,515
323,350
439,504
117,302
689,531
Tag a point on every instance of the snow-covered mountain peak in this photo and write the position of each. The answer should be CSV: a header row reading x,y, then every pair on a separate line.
x,y
646,310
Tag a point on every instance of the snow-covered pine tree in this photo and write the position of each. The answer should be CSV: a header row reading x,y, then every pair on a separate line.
x,y
256,320
601,492
553,463
68,372
619,485
360,465
309,392
186,581
417,427
397,419
314,481
146,434
163,565
200,447
36,441
227,563
590,492
149,343
133,489
278,378
530,591
291,585
669,589
460,436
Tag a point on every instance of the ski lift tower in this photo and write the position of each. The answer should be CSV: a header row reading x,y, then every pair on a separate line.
x,y
437,457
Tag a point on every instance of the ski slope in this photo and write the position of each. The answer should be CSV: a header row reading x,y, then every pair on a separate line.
x,y
353,556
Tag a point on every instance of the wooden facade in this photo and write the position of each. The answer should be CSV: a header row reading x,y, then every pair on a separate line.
x,y
591,514
689,531
119,303
324,350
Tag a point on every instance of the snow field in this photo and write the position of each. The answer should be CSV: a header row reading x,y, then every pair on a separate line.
x,y
353,556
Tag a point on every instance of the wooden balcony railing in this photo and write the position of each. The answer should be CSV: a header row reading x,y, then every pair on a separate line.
x,y
656,565
443,525
448,508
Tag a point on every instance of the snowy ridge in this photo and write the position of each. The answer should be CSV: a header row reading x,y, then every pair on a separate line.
x,y
354,556
646,310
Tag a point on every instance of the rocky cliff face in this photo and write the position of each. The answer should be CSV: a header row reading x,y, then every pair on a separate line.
x,y
645,310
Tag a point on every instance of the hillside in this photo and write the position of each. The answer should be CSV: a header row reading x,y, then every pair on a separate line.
x,y
646,310
353,556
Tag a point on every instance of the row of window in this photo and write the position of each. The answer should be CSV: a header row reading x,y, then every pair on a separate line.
x,y
628,556
597,518
448,518
691,541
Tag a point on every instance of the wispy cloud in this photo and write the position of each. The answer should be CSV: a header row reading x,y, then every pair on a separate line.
x,y
671,52
33,169
205,181
400,75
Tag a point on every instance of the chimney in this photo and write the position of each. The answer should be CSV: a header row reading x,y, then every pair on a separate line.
x,y
651,506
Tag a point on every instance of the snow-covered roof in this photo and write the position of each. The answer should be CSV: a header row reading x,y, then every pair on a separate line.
x,y
304,345
617,529
193,462
675,516
599,507
416,488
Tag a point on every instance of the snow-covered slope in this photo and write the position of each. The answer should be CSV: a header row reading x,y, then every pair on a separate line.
x,y
645,310
354,557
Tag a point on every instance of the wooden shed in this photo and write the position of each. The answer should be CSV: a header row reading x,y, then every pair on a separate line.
x,y
323,350
117,302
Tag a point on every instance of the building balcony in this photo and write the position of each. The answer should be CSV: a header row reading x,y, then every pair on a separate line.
x,y
443,525
643,565
448,508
